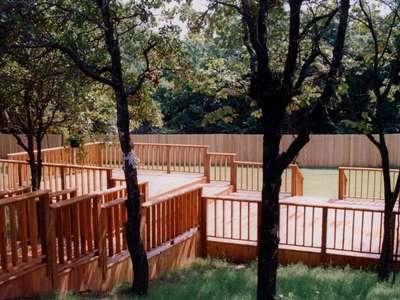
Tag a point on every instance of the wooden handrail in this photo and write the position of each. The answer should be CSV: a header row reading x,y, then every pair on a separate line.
x,y
71,201
366,169
22,197
172,195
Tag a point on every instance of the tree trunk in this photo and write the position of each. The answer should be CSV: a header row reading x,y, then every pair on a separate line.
x,y
268,230
133,203
385,260
35,182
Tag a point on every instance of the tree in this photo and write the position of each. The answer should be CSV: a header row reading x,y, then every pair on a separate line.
x,y
288,54
38,93
376,63
116,44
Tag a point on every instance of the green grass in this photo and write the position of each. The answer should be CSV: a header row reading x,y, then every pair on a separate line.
x,y
215,279
320,182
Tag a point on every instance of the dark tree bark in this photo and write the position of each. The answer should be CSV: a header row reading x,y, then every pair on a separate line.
x,y
385,263
116,82
133,203
381,91
273,90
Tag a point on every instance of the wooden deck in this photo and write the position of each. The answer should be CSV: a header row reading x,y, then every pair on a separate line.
x,y
196,203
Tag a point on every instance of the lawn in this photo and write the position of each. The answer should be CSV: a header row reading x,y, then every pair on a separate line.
x,y
215,279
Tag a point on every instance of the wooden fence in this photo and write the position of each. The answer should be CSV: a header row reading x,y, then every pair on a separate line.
x,y
331,150
8,144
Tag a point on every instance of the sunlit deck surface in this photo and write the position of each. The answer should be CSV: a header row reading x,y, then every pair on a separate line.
x,y
161,183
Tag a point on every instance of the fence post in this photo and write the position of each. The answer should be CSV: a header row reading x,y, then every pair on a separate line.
x,y
203,224
62,174
102,240
110,181
142,218
47,234
324,232
207,165
19,174
293,180
100,147
168,159
234,174
342,184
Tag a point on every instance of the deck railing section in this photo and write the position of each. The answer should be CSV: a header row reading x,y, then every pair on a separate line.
x,y
324,228
150,156
112,234
363,183
183,158
88,154
221,166
15,191
168,217
159,157
56,177
17,227
249,177
232,218
71,232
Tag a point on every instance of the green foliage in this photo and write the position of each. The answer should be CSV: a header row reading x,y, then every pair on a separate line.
x,y
188,111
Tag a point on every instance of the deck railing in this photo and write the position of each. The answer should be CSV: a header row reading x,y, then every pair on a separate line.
x,y
249,177
232,218
89,154
112,234
221,166
15,191
168,217
56,177
71,232
324,228
160,157
363,183
19,228
178,158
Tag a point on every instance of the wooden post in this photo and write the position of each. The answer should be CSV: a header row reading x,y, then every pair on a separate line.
x,y
62,174
293,180
19,174
259,220
100,153
146,192
142,218
102,229
110,181
47,233
203,224
324,232
342,184
168,159
234,174
207,165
